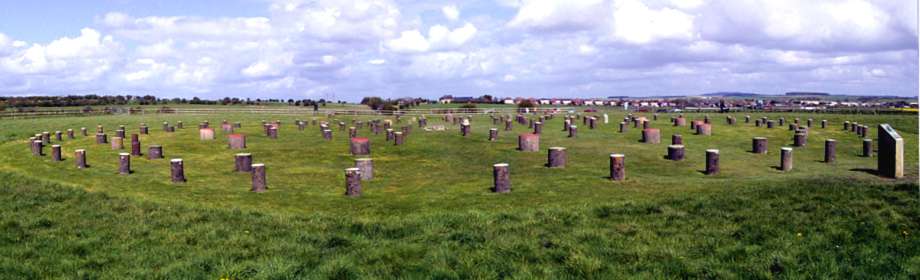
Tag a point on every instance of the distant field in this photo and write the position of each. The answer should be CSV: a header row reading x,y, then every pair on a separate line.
x,y
429,212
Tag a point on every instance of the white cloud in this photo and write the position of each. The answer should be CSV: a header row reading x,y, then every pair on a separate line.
x,y
450,12
634,22
409,41
541,14
439,38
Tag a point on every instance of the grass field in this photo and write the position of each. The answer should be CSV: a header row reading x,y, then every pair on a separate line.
x,y
429,213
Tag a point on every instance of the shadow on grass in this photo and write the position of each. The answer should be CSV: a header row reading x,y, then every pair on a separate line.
x,y
866,170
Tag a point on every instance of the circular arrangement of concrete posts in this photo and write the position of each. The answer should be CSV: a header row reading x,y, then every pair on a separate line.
x,y
830,151
154,152
80,158
501,179
651,136
676,152
573,131
712,162
242,162
366,166
56,153
352,182
493,134
259,184
118,143
177,170
528,142
556,157
785,158
759,145
124,163
799,139
360,146
236,141
867,147
617,167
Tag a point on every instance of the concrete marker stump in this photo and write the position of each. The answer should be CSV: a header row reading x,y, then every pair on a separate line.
x,y
493,134
677,139
890,152
366,166
118,143
177,170
273,132
242,162
120,133
398,138
501,178
259,184
124,163
360,146
80,158
58,136
352,182
785,159
70,134
823,123
154,152
38,148
101,138
676,152
830,151
84,131
867,147
704,129
712,162
56,153
617,167
799,139
759,145
556,157
651,136
236,141
528,142
206,134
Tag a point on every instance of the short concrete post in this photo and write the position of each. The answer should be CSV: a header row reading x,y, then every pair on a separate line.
x,y
651,136
712,162
529,142
799,139
623,127
101,138
704,129
501,179
327,134
154,152
823,123
759,145
83,131
56,153
273,132
867,147
118,143
677,139
80,158
360,146
676,152
58,136
38,148
830,151
352,182
366,166
236,141
573,131
493,134
537,127
177,170
259,184
556,157
242,162
398,138
508,125
124,163
617,167
785,158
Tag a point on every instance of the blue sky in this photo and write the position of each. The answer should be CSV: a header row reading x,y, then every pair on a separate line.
x,y
347,49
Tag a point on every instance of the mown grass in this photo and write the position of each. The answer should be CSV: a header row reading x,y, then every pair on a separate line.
x,y
429,213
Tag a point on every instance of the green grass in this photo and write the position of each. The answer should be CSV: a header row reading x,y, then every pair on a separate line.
x,y
429,214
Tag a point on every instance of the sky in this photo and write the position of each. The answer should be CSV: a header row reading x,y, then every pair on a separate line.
x,y
348,49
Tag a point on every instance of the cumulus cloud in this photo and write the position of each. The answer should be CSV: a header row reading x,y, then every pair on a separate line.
x,y
345,49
